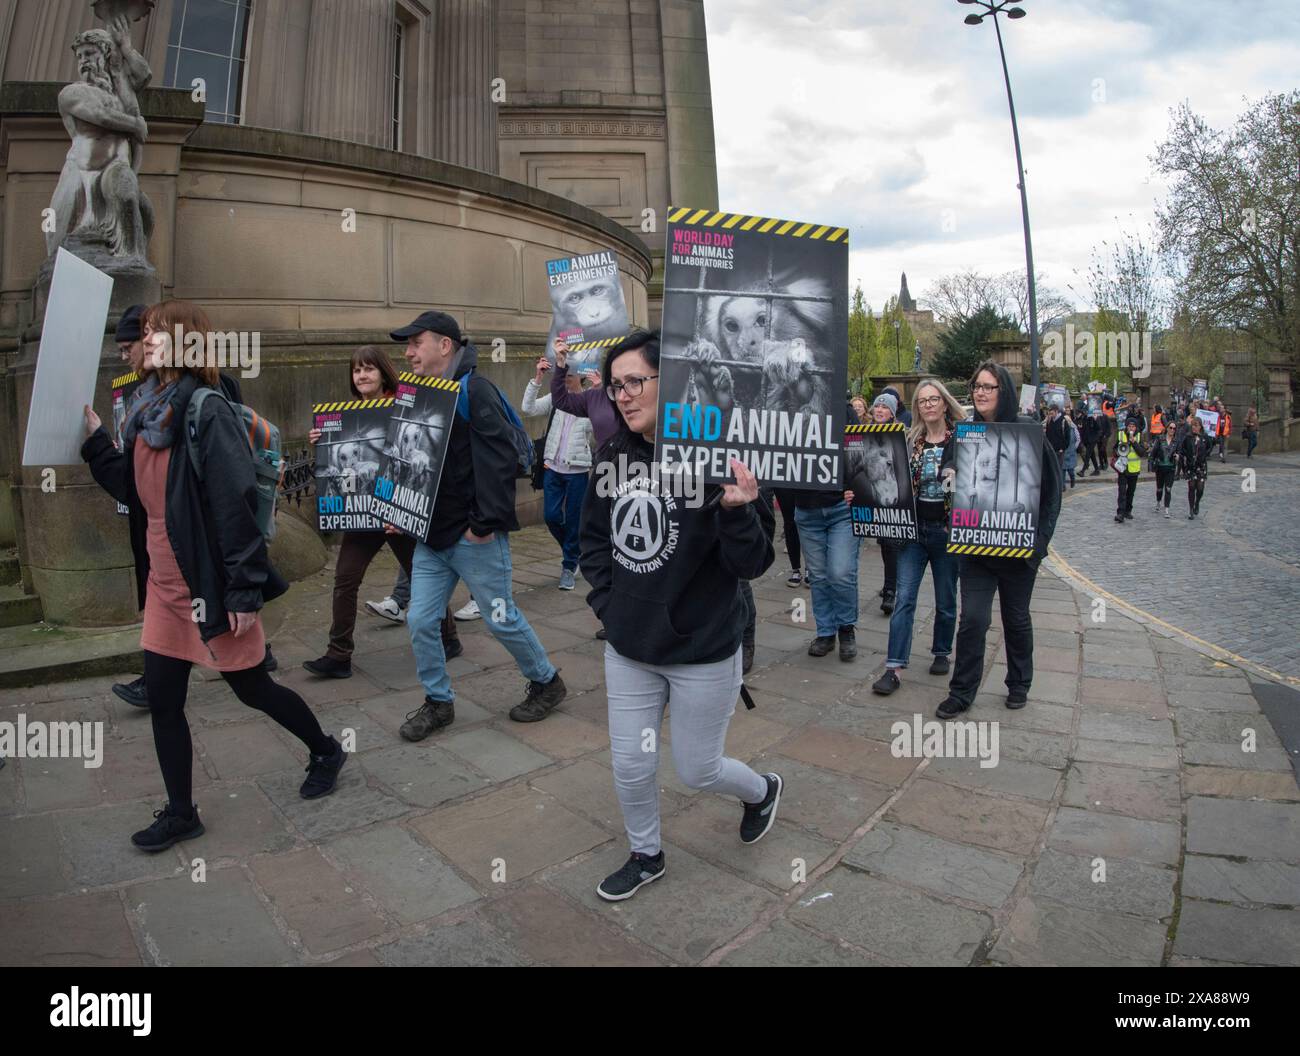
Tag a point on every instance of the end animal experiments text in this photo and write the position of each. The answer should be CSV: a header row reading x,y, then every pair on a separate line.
x,y
414,451
348,456
587,303
755,346
880,477
995,498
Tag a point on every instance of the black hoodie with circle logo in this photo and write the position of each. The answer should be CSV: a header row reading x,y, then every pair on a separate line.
x,y
664,572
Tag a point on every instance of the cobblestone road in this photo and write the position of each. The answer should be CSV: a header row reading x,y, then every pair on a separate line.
x,y
1231,577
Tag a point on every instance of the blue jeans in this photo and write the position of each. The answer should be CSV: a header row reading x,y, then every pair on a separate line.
x,y
485,568
930,547
830,552
563,494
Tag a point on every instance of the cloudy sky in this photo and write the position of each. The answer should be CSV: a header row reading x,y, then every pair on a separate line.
x,y
890,116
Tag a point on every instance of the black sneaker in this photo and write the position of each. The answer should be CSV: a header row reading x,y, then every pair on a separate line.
x,y
323,772
939,666
452,648
167,828
821,646
638,871
795,578
848,644
758,817
541,699
950,709
430,716
746,657
887,602
133,693
886,683
328,667
1017,698
269,661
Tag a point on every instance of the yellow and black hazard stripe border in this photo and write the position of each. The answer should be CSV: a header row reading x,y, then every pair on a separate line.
x,y
351,405
586,346
428,383
877,427
758,224
125,380
991,551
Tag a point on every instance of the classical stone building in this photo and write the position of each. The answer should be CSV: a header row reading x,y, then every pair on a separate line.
x,y
322,170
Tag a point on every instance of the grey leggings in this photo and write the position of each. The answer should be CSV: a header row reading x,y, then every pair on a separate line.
x,y
703,701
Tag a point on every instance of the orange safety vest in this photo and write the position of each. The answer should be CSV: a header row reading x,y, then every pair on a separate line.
x,y
1157,424
1225,424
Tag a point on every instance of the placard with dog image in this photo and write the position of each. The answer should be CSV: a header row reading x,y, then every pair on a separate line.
x,y
754,349
415,448
999,469
588,311
348,454
880,477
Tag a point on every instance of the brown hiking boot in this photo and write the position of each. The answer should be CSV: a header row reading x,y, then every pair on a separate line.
x,y
541,699
429,717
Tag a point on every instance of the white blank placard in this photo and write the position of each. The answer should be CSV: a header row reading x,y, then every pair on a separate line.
x,y
67,363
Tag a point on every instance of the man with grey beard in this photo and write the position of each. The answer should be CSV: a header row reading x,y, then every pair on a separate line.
x,y
99,190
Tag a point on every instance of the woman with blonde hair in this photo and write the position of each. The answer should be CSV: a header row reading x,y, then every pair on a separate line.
x,y
201,563
934,415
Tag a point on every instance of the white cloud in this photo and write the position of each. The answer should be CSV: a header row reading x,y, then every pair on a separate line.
x,y
892,118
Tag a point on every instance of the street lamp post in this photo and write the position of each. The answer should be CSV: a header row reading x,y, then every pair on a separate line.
x,y
993,10
898,363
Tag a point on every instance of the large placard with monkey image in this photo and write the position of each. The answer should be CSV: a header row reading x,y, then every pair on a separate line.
x,y
588,311
999,472
348,456
415,449
879,473
754,352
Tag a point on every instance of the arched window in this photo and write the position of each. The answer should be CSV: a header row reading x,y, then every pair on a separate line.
x,y
207,43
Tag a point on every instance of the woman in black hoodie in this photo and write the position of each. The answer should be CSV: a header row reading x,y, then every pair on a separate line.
x,y
201,564
1194,462
664,574
1011,578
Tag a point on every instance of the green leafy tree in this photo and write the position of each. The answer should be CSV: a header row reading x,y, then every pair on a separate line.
x,y
861,340
960,350
894,349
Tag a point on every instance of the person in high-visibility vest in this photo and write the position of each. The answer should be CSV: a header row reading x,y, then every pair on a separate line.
x,y
1129,453
1158,421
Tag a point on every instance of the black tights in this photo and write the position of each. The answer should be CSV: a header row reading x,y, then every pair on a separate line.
x,y
167,681
1195,489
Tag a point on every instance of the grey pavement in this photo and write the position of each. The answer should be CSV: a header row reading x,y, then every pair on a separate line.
x,y
1142,810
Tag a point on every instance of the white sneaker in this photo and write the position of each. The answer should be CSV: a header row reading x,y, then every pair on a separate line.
x,y
388,609
1166,511
469,612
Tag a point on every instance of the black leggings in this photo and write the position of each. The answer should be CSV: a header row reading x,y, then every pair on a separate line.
x,y
1195,489
785,497
167,681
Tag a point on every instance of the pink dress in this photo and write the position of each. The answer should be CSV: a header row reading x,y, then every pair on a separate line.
x,y
169,626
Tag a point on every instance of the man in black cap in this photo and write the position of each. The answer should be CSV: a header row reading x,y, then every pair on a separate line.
x,y
130,342
467,537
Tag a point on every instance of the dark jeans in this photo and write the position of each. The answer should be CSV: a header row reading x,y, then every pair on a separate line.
x,y
931,547
889,555
1252,438
167,681
1091,456
355,554
563,494
1013,581
785,499
1164,484
1128,483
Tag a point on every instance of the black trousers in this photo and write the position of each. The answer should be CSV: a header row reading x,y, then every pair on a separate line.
x,y
167,681
1164,484
1091,456
785,499
1128,483
1195,489
1012,579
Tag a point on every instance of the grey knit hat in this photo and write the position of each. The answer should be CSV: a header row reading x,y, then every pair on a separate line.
x,y
887,400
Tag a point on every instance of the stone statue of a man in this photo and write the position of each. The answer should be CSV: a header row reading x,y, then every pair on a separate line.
x,y
98,199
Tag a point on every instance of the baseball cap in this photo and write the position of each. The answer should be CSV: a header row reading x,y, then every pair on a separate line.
x,y
433,321
129,326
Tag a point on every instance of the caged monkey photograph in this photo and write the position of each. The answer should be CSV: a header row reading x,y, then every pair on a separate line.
x,y
414,454
762,335
349,465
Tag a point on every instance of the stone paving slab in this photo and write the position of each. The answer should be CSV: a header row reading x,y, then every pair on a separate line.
x,y
483,844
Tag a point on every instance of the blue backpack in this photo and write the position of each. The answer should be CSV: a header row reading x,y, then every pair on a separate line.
x,y
524,450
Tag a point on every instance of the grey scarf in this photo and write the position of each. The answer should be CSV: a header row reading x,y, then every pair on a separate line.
x,y
156,411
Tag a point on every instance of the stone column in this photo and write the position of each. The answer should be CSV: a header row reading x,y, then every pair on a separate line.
x,y
692,157
349,91
465,62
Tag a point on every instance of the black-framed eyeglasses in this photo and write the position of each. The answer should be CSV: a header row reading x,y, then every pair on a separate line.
x,y
632,386
929,401
984,388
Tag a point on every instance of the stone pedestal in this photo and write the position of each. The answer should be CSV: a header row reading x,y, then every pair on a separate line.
x,y
1011,350
1238,384
903,384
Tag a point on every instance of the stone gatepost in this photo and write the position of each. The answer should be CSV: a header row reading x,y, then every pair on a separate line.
x,y
1279,399
1010,348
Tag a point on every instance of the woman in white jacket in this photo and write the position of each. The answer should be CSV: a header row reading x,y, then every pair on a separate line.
x,y
567,463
